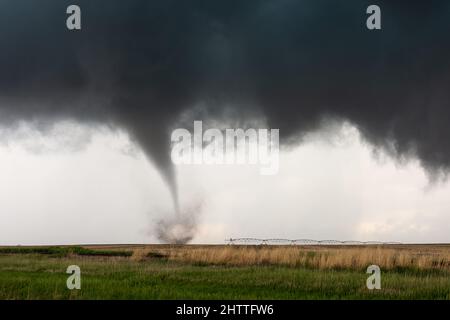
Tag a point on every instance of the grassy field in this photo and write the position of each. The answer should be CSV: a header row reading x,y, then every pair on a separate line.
x,y
226,272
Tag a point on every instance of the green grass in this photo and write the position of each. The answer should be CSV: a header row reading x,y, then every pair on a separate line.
x,y
64,251
42,276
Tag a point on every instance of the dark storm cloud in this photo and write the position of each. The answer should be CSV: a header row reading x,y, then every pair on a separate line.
x,y
140,64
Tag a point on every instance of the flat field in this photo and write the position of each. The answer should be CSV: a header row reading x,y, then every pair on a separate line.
x,y
225,272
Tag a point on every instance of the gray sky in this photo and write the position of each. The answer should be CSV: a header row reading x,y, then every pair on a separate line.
x,y
330,187
138,69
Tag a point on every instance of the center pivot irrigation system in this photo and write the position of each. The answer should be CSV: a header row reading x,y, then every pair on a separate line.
x,y
255,241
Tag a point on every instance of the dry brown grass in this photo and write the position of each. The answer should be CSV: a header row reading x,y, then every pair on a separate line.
x,y
320,257
139,254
